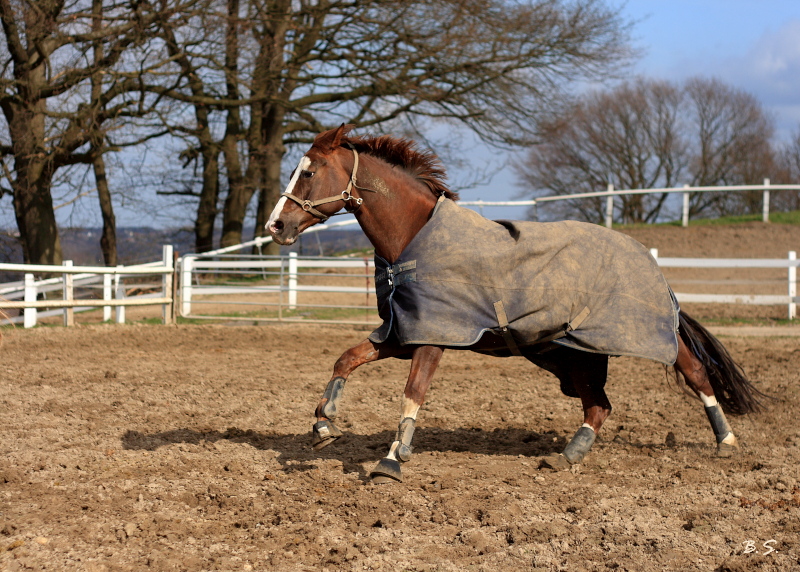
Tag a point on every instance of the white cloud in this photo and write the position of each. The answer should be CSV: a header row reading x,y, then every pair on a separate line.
x,y
770,70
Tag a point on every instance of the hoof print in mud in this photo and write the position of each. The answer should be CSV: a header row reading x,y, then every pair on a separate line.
x,y
386,471
323,434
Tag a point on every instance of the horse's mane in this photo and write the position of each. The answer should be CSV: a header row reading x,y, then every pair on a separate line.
x,y
423,165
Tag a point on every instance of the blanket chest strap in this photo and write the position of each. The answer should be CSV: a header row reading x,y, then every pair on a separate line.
x,y
502,321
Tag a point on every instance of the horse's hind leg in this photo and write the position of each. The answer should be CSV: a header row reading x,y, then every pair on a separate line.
x,y
424,361
325,432
696,376
586,373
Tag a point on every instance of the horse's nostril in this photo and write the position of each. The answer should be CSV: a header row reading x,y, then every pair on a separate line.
x,y
276,226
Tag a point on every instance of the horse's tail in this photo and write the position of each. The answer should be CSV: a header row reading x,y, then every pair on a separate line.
x,y
734,392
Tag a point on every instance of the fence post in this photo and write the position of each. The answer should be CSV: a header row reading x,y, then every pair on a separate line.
x,y
107,296
685,218
765,203
29,319
69,313
292,280
119,294
166,285
175,282
654,253
187,262
610,206
792,284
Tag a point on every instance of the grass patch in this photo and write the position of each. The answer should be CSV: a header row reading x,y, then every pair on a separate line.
x,y
791,217
311,313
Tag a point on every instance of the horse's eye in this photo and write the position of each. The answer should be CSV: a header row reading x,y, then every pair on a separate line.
x,y
306,174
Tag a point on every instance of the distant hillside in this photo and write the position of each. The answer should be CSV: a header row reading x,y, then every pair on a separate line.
x,y
736,240
143,244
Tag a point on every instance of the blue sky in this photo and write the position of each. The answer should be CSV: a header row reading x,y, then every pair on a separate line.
x,y
751,44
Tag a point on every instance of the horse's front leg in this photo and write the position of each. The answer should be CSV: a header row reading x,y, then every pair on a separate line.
x,y
325,432
424,361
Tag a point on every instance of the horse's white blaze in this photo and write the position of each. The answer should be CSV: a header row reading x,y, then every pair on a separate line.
x,y
305,163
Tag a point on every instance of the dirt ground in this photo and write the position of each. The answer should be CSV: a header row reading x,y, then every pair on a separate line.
x,y
186,447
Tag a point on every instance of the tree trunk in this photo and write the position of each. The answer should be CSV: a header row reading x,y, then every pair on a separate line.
x,y
36,218
108,241
270,190
240,191
207,208
33,203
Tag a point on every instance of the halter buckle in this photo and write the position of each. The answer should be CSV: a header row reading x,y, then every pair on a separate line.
x,y
347,195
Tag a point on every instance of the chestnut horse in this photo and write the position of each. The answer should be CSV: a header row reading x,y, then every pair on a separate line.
x,y
392,188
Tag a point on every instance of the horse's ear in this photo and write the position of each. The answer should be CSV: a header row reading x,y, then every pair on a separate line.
x,y
330,140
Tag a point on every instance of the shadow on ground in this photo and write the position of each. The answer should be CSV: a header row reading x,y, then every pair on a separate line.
x,y
294,451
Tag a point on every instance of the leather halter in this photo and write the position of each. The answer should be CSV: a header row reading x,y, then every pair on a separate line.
x,y
346,195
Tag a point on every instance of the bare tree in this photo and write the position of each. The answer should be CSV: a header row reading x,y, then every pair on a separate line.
x,y
71,72
653,134
628,137
730,145
269,74
788,172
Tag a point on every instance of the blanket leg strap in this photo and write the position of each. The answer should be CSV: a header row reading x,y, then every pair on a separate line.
x,y
502,321
573,325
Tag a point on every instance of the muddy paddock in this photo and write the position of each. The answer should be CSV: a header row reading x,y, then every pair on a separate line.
x,y
187,448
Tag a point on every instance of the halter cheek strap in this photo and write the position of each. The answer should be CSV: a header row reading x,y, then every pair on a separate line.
x,y
346,195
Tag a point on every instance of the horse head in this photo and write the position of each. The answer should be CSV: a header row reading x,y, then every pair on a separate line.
x,y
320,186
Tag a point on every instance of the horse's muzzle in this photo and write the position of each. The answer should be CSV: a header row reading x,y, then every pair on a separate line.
x,y
283,234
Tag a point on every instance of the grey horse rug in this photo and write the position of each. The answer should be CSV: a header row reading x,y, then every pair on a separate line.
x,y
572,283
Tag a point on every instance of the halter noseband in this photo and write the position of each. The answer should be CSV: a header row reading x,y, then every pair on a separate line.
x,y
346,195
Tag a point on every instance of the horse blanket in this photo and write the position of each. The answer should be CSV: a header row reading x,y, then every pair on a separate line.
x,y
576,284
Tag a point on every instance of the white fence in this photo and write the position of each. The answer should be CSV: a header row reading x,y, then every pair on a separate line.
x,y
291,288
288,281
790,263
610,193
30,295
206,279
267,288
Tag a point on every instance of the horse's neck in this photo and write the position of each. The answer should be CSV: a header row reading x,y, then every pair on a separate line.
x,y
392,216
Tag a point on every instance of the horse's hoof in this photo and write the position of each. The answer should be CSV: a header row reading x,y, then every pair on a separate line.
x,y
725,450
386,471
555,462
323,434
